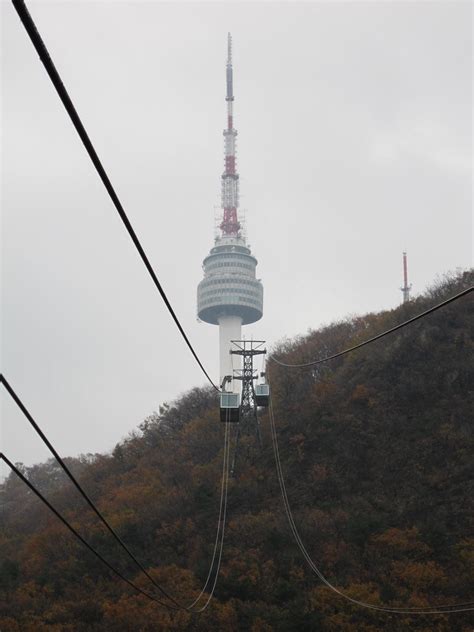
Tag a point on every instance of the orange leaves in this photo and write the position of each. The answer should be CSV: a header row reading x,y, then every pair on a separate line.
x,y
322,391
245,570
253,527
407,555
319,473
419,575
334,552
133,613
324,388
259,625
51,546
362,395
298,441
8,624
403,540
465,550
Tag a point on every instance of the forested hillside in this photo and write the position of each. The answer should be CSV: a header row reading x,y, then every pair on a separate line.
x,y
377,449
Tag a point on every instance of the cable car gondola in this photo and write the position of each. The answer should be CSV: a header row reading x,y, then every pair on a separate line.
x,y
230,407
262,394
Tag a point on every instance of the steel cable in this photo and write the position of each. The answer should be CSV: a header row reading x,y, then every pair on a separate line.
x,y
78,535
222,523
56,80
79,488
442,609
222,504
378,336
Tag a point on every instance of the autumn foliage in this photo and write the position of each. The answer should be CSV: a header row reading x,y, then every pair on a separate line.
x,y
377,449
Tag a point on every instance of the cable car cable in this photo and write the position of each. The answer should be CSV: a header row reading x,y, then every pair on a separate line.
x,y
91,504
45,58
441,609
222,524
434,610
378,336
78,535
77,485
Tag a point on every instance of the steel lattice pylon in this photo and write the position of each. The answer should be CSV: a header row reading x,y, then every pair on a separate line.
x,y
247,375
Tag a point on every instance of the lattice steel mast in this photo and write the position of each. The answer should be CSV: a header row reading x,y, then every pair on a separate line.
x,y
230,178
251,396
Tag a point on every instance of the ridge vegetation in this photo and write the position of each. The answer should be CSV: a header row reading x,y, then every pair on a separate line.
x,y
377,451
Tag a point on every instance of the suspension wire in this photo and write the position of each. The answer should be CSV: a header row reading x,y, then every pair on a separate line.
x,y
78,535
378,336
222,523
237,432
236,448
222,507
45,58
77,485
441,609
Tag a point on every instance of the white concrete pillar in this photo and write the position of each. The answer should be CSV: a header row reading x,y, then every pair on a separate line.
x,y
230,328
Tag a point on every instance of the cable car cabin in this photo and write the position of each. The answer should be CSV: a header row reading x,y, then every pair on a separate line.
x,y
262,394
230,407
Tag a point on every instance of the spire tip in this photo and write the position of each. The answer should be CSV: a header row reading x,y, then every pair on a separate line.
x,y
229,49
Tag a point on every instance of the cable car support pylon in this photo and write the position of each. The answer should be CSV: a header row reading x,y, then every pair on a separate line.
x,y
242,407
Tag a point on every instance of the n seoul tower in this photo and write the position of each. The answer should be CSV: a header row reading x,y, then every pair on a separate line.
x,y
229,295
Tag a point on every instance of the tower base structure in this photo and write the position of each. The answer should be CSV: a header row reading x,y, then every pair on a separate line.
x,y
230,328
248,417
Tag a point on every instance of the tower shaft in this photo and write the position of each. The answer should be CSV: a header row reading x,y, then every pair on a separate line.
x,y
230,328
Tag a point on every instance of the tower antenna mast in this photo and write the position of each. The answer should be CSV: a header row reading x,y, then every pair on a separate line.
x,y
406,288
230,178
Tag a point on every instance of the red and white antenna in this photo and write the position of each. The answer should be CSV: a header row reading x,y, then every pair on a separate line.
x,y
406,288
230,179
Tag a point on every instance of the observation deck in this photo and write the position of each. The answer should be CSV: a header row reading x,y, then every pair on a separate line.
x,y
230,287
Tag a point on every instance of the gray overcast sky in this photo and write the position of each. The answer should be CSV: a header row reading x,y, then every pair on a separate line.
x,y
355,143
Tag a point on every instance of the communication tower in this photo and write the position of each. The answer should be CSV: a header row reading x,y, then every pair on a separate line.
x,y
229,295
406,288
